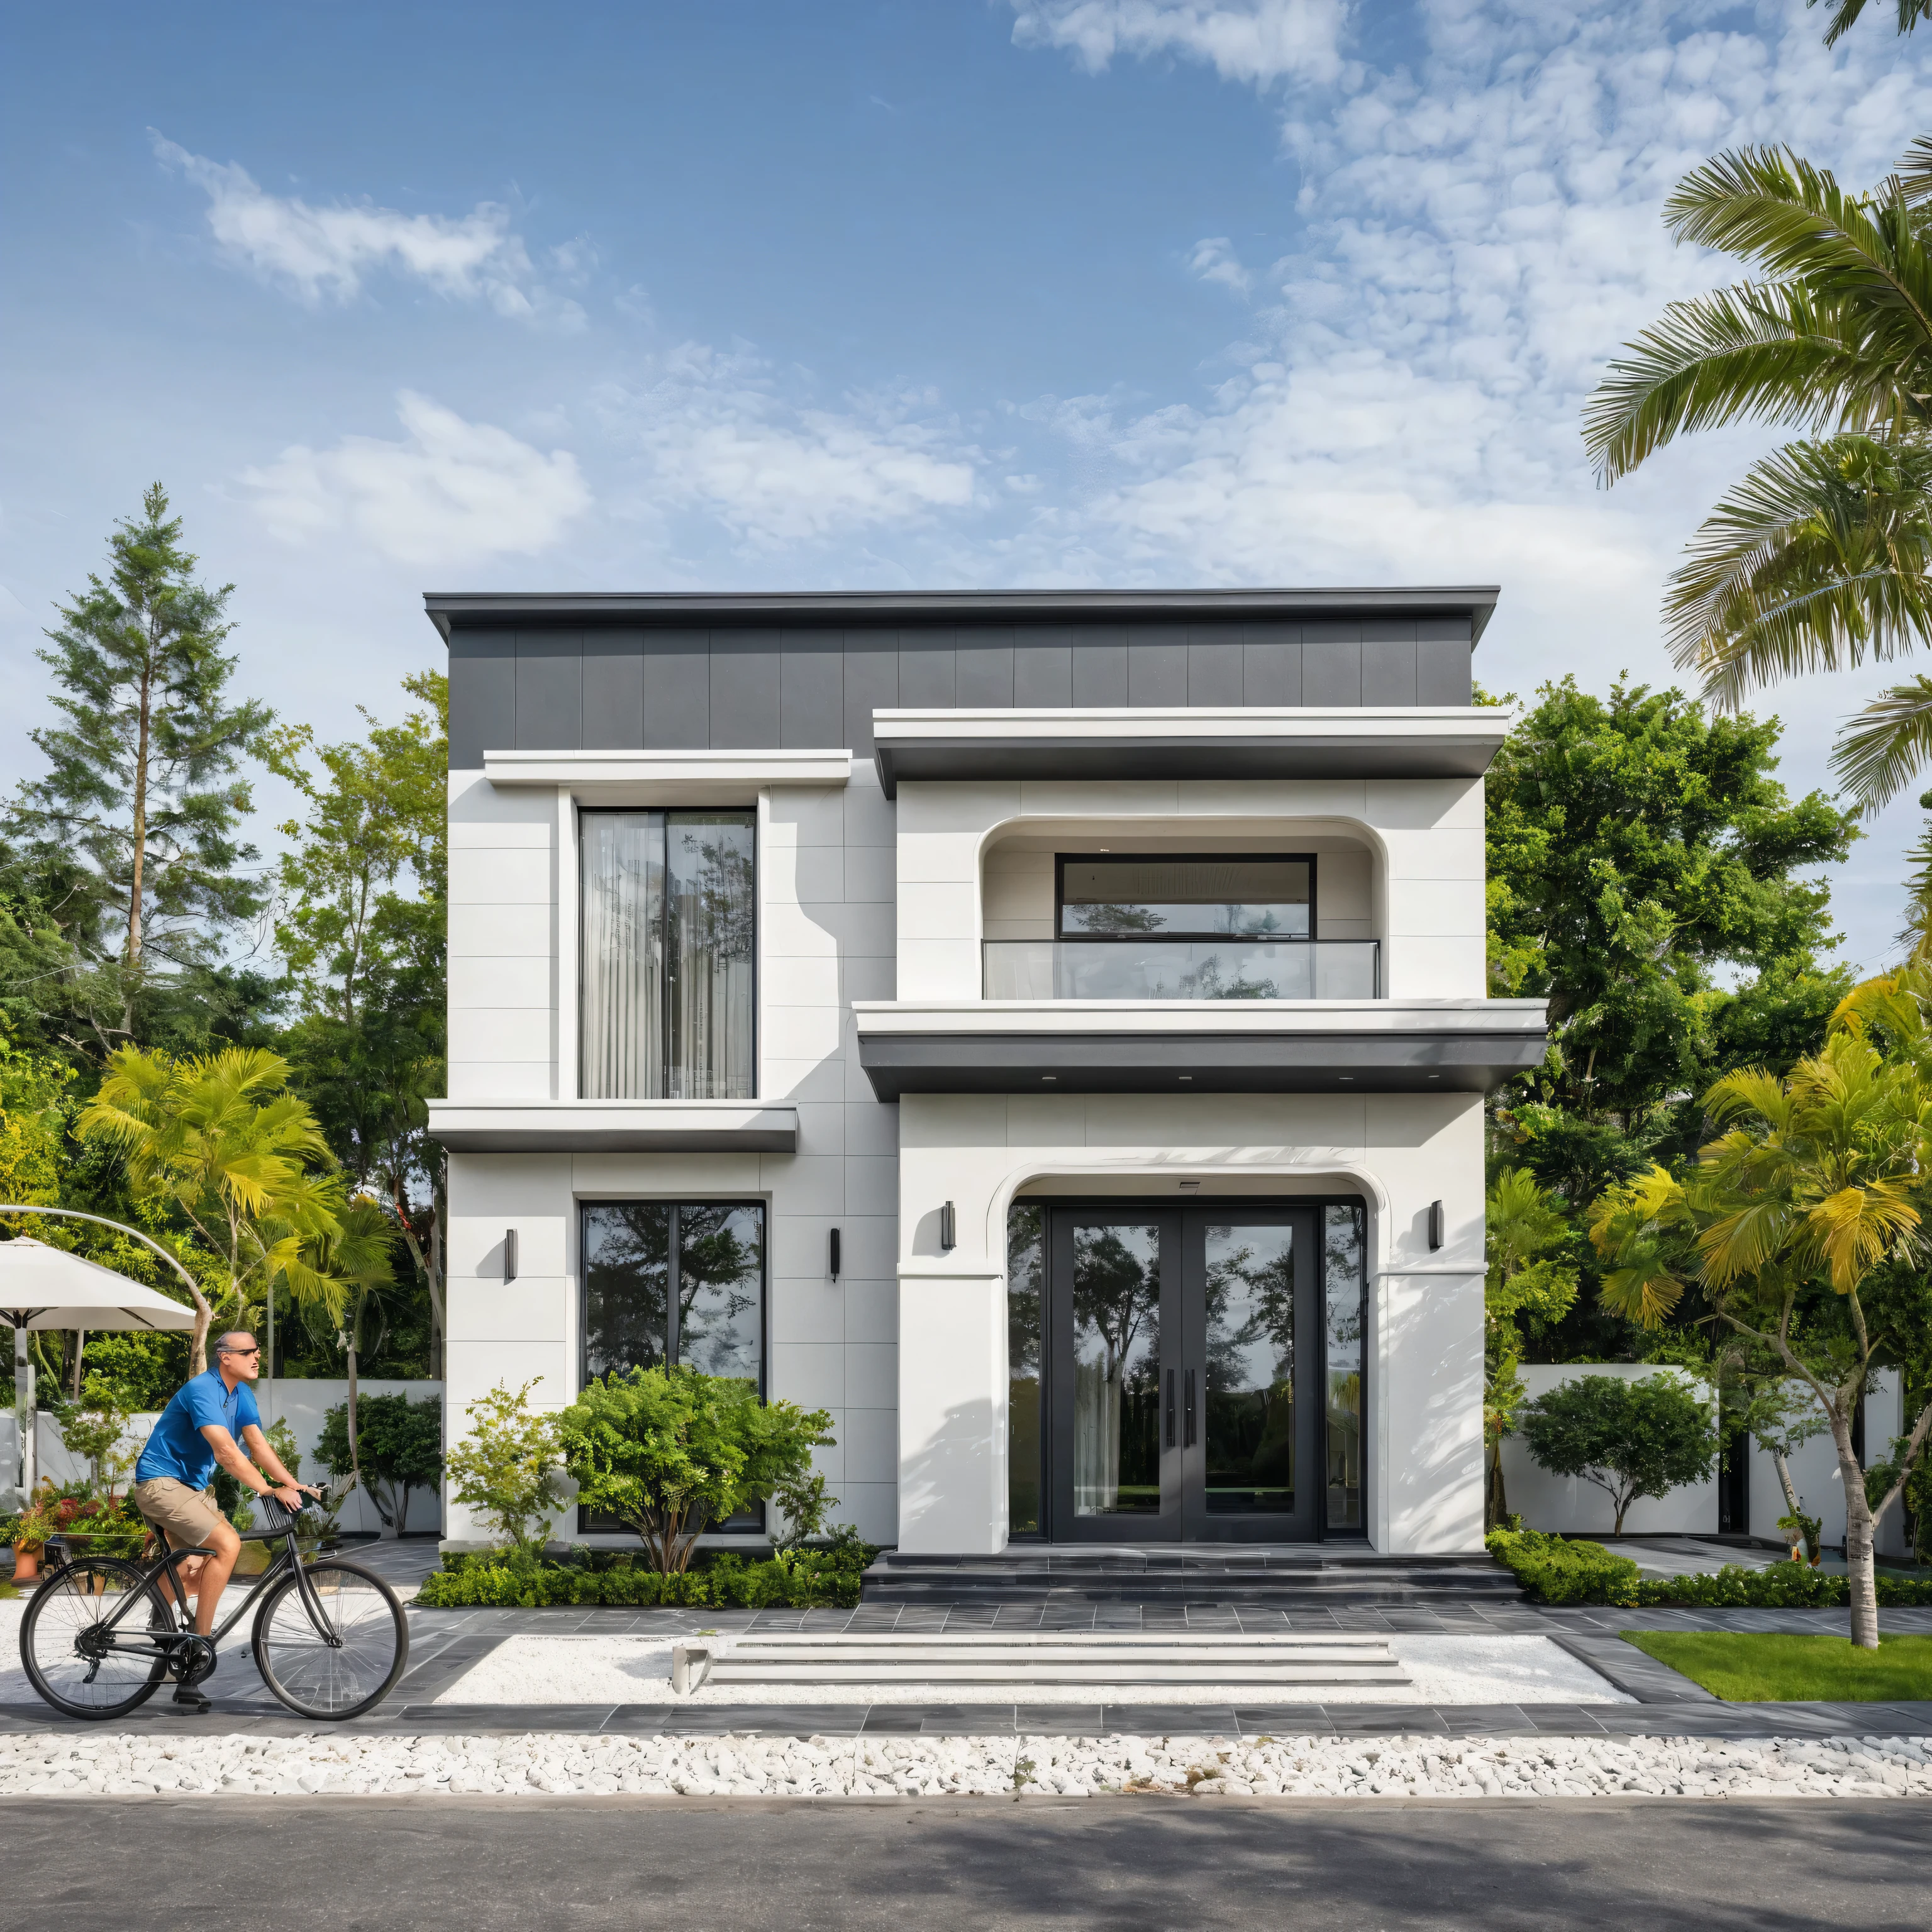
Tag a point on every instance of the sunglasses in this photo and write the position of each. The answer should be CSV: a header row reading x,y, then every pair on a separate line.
x,y
242,1351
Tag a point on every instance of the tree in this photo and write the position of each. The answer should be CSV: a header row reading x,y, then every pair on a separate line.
x,y
360,927
223,1145
1845,13
136,822
1794,1214
667,1450
1630,1438
1525,1282
505,1470
1820,556
95,1427
398,1448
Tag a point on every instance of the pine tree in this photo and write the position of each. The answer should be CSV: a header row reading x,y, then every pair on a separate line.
x,y
140,815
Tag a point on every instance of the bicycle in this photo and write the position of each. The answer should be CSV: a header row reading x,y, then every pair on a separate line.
x,y
330,1638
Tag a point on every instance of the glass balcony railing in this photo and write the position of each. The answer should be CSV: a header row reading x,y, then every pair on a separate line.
x,y
1182,969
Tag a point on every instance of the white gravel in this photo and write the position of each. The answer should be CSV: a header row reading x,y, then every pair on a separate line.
x,y
560,1669
541,1764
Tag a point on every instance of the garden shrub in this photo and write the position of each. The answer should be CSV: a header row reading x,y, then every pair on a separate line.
x,y
826,1576
1561,1570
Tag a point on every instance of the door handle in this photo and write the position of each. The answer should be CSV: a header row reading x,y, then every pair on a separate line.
x,y
1170,1408
1188,1443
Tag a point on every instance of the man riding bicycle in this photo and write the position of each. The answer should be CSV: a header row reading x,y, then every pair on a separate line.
x,y
172,1489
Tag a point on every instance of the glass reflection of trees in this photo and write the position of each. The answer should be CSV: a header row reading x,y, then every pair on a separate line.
x,y
1250,1297
1026,1283
630,1302
1344,1246
1116,1369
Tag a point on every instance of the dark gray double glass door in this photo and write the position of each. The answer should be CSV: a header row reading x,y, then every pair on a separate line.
x,y
1183,1367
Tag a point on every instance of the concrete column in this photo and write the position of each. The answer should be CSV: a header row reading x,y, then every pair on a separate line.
x,y
952,1409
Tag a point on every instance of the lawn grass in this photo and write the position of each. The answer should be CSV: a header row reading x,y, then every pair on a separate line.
x,y
1746,1667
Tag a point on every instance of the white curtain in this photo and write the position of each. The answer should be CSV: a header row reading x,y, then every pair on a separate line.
x,y
623,955
712,947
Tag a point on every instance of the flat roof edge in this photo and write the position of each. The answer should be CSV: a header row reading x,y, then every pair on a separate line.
x,y
446,608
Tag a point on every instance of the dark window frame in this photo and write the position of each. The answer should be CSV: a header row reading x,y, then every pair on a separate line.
x,y
667,813
1318,1205
1063,938
753,1523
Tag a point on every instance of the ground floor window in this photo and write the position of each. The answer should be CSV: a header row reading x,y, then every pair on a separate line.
x,y
673,1282
1026,1294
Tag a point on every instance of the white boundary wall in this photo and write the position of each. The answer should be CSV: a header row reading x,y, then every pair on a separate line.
x,y
1576,1507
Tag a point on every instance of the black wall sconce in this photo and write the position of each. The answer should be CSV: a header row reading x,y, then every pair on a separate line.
x,y
834,1246
1435,1224
948,1241
509,1254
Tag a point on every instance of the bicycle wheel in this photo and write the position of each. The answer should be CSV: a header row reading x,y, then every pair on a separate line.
x,y
79,1665
345,1669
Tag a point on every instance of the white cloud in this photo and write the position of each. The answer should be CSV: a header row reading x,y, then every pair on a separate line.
x,y
720,433
327,252
1257,41
1214,260
451,492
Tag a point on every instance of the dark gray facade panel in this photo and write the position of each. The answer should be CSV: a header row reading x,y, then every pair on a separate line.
x,y
550,689
745,684
1388,670
1156,664
983,668
925,669
1213,664
677,690
482,696
1331,663
811,694
1043,666
1100,665
1271,663
613,691
872,684
1442,671
1437,629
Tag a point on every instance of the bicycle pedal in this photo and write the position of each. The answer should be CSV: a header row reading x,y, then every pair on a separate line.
x,y
190,1699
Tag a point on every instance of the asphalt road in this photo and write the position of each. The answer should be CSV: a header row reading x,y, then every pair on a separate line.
x,y
707,1865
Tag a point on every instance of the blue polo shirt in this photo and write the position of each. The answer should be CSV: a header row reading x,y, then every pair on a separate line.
x,y
178,1448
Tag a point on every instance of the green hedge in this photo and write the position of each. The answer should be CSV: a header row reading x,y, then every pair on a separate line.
x,y
796,1580
1560,1569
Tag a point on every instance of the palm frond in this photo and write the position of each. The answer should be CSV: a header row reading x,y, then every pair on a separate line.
x,y
1844,16
1820,557
1886,743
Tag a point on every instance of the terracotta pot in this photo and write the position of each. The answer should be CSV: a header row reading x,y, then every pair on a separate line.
x,y
26,1564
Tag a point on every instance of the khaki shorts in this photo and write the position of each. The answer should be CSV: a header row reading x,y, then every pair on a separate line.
x,y
188,1515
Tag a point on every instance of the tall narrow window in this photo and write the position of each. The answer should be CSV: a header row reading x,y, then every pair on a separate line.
x,y
1344,1253
1026,1290
674,1283
669,951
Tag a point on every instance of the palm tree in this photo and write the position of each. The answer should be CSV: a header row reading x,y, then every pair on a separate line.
x,y
1814,1183
1844,16
242,1160
1822,555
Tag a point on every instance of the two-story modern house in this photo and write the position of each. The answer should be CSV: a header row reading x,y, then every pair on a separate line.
x,y
1046,1030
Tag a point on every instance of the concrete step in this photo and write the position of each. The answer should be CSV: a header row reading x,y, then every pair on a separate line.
x,y
982,1658
964,1584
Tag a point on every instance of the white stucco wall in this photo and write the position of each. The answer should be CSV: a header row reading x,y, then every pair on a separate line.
x,y
825,879
1424,897
1399,1151
1576,1508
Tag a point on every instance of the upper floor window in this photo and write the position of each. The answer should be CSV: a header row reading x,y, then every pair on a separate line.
x,y
669,999
1206,898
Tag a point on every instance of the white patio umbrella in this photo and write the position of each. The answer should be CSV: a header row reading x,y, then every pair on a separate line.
x,y
42,1287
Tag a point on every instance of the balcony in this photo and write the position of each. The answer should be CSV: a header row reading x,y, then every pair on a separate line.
x,y
1182,969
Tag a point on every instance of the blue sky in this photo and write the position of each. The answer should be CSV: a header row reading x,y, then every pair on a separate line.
x,y
962,292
